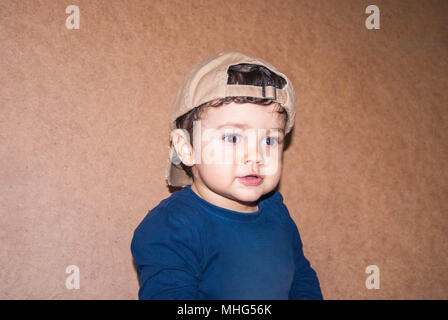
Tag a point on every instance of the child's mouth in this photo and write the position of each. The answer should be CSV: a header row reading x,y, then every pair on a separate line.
x,y
251,180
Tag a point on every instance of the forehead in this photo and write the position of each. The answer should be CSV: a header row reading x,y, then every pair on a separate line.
x,y
247,114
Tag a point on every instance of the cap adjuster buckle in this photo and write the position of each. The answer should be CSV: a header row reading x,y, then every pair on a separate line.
x,y
263,91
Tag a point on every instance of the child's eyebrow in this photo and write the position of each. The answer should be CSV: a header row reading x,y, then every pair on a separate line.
x,y
233,124
243,126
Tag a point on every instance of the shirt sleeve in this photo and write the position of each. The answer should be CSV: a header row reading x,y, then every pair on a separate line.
x,y
167,252
305,284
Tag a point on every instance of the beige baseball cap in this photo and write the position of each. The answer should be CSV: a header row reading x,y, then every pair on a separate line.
x,y
207,81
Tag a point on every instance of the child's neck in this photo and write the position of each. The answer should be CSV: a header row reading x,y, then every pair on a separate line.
x,y
221,201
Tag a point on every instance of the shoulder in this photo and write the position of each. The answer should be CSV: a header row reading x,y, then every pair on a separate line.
x,y
275,202
171,228
277,206
173,214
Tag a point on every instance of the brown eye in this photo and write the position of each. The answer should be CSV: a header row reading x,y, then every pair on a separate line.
x,y
270,141
231,138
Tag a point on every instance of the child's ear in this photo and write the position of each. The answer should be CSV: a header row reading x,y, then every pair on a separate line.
x,y
182,145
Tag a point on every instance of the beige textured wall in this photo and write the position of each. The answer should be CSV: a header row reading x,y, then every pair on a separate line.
x,y
84,135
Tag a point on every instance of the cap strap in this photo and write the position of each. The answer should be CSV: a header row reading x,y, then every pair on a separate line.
x,y
266,92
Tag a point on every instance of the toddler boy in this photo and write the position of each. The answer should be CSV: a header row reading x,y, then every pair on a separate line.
x,y
227,234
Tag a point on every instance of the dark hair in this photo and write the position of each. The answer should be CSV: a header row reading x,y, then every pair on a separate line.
x,y
245,74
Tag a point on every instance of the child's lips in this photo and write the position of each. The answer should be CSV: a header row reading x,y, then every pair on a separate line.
x,y
251,180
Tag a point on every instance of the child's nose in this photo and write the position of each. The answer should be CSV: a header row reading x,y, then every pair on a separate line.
x,y
253,152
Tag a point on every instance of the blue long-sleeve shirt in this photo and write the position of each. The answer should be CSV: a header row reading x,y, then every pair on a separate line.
x,y
187,248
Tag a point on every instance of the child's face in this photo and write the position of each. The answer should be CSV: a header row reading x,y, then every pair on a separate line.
x,y
238,140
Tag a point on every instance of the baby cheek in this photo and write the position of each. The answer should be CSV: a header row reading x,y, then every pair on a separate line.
x,y
273,165
215,153
210,152
217,174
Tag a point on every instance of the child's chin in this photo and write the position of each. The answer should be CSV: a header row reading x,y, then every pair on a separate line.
x,y
249,195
